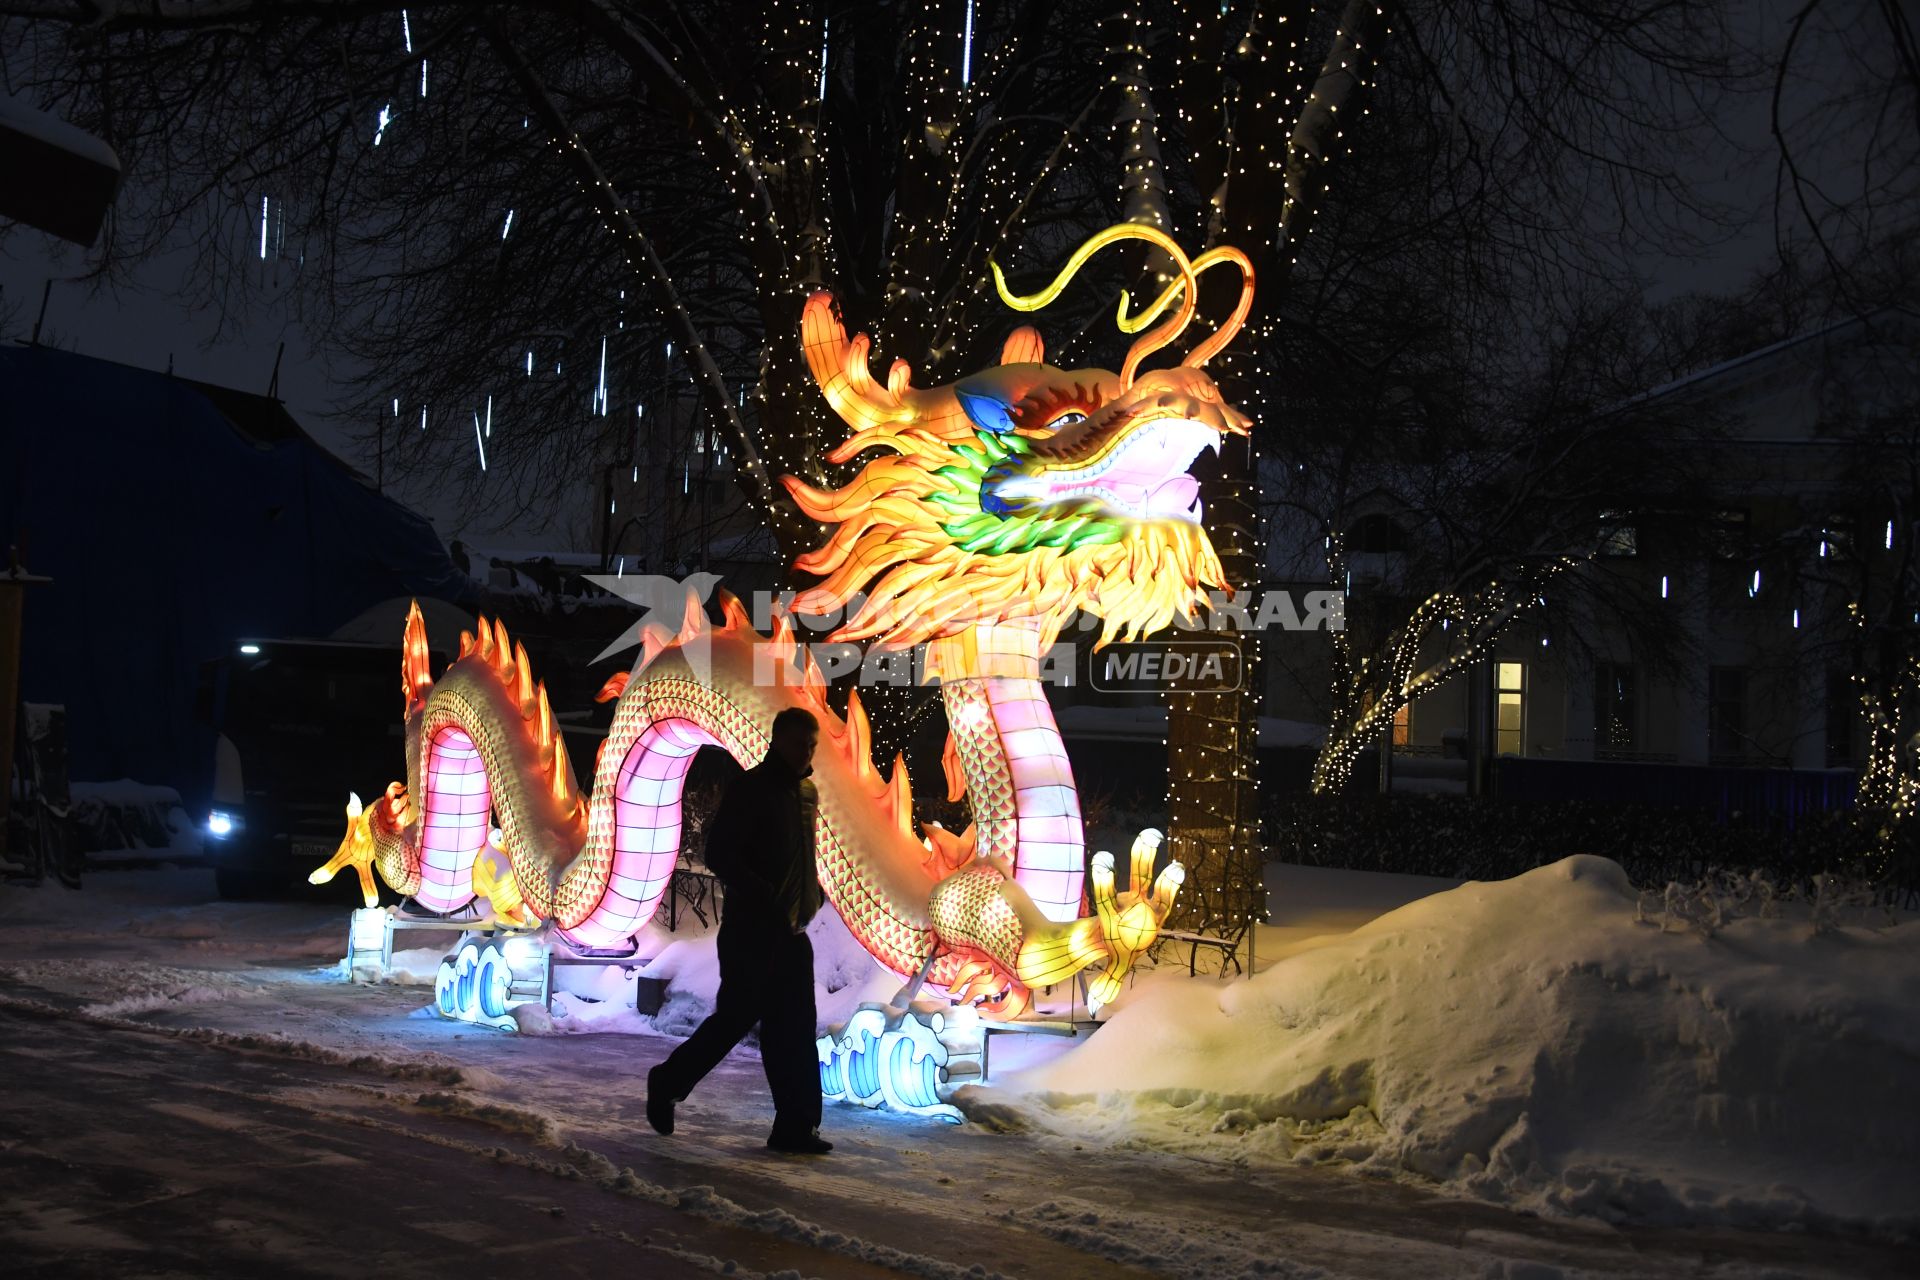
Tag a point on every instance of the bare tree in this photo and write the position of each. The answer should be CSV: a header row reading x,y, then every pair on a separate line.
x,y
1851,554
1452,504
1840,534
709,164
1844,117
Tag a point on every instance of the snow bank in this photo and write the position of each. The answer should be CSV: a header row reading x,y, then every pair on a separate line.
x,y
1528,1042
691,969
166,913
110,816
591,1000
428,1068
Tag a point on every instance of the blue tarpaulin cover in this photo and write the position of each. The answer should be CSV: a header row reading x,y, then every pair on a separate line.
x,y
175,519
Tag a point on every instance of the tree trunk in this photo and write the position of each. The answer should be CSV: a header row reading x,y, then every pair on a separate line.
x,y
1213,797
1262,208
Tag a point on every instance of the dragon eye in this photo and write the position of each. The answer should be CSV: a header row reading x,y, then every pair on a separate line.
x,y
1066,420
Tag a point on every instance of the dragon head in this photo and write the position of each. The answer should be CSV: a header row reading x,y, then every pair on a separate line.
x,y
1025,492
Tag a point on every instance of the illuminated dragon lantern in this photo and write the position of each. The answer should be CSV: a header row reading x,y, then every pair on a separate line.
x,y
1002,503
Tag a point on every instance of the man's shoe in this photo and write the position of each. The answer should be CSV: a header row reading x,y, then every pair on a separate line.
x,y
659,1104
799,1144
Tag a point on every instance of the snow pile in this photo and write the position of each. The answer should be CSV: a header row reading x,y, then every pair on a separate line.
x,y
1528,1042
573,1015
691,970
845,974
410,966
126,814
602,999
587,999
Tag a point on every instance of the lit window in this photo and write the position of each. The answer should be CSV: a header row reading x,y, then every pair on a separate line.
x,y
1402,725
1614,709
1510,691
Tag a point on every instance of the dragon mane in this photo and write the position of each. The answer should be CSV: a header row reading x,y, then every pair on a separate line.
x,y
912,534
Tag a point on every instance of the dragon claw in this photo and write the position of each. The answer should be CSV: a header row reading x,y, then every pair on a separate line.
x,y
1130,921
356,849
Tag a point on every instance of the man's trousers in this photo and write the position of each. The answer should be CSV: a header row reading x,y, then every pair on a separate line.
x,y
766,976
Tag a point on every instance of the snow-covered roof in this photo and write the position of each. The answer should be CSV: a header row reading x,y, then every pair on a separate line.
x,y
1759,354
56,133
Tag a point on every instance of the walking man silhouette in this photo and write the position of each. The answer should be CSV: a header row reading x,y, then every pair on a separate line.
x,y
760,845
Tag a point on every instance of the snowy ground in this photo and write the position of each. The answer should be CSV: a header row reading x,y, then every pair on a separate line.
x,y
1509,1080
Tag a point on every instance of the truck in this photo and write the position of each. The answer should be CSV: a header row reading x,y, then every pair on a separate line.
x,y
299,725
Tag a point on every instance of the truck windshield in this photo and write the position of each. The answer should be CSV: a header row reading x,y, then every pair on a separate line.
x,y
314,691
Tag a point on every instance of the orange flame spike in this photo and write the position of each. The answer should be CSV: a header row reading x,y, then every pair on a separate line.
x,y
782,638
416,671
734,613
502,647
484,645
466,645
543,716
950,850
813,683
615,686
859,733
561,771
900,795
523,687
693,621
956,773
653,639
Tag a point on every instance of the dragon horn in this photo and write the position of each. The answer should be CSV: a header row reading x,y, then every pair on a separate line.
x,y
899,378
1217,341
1024,346
1146,344
840,368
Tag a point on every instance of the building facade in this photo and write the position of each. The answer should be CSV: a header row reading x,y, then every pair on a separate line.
x,y
1810,522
